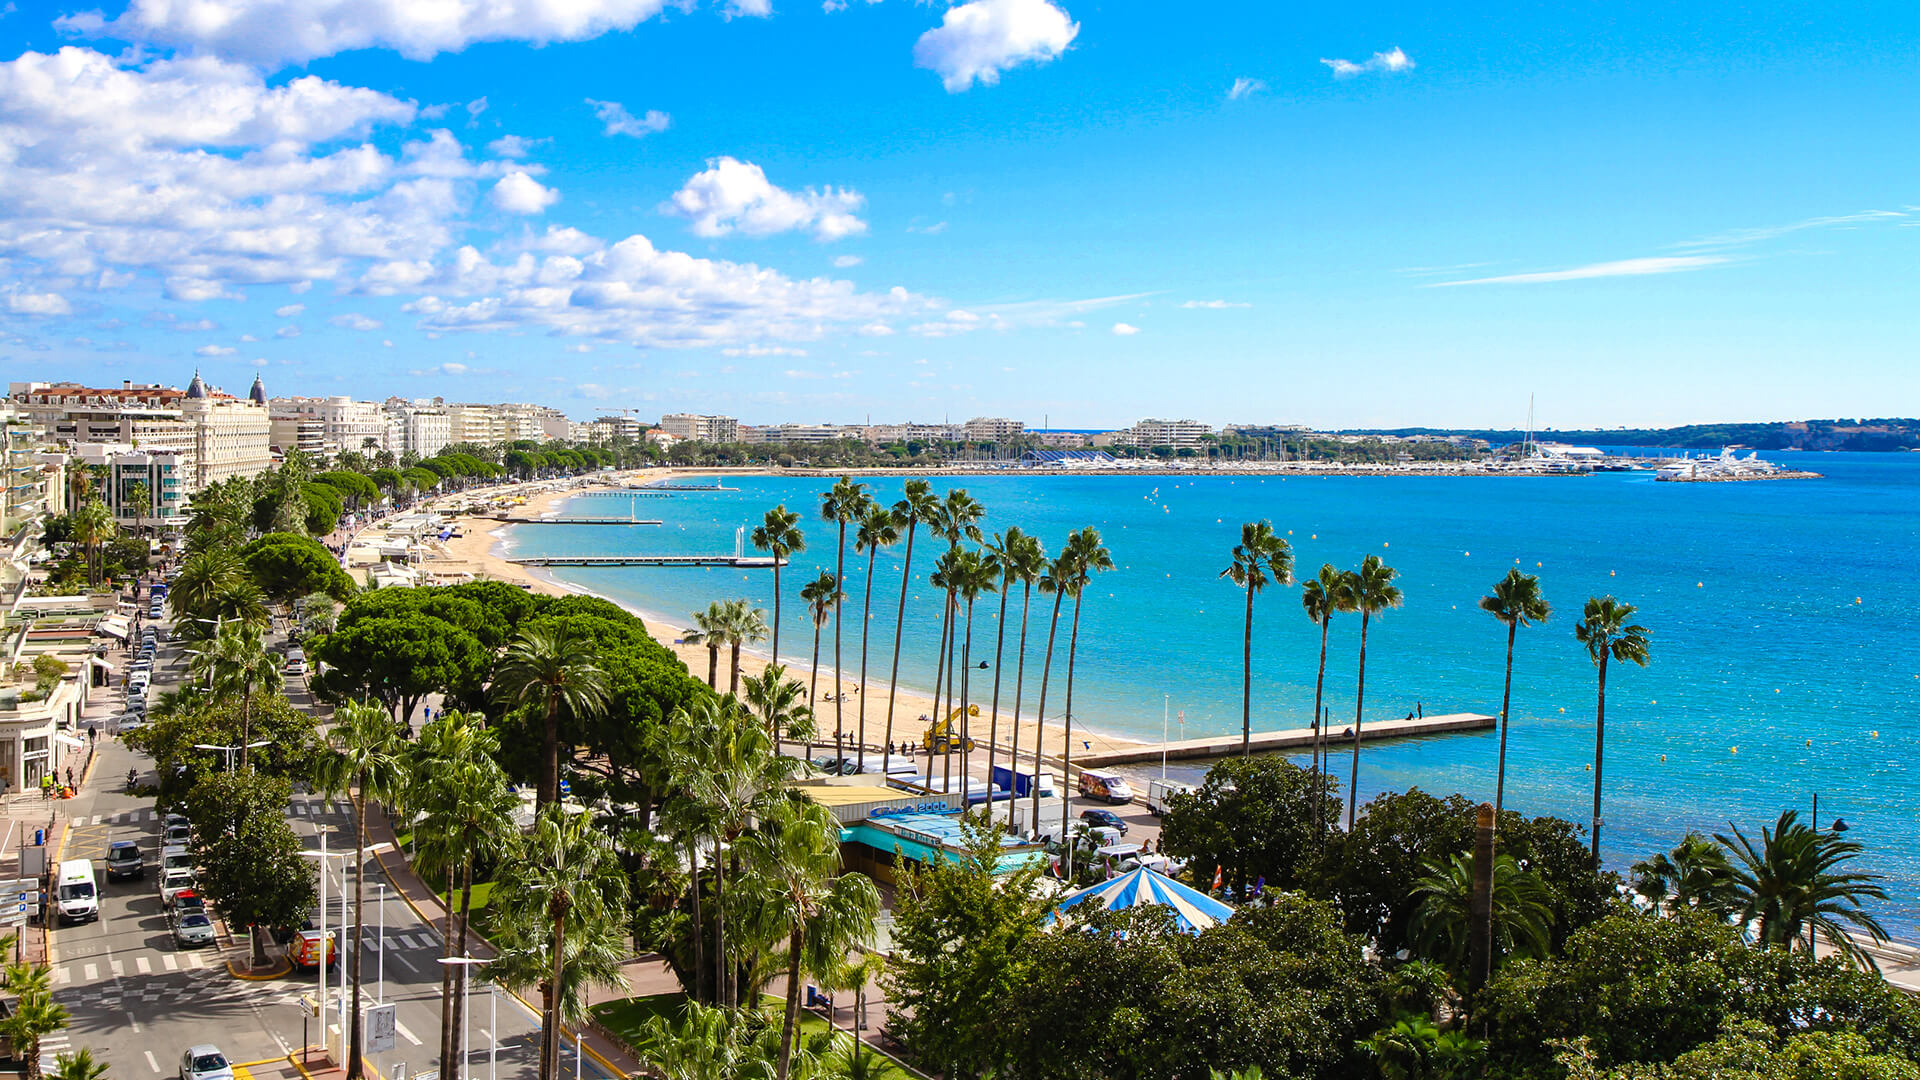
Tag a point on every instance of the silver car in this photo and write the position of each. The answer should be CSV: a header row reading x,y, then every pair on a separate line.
x,y
192,929
205,1062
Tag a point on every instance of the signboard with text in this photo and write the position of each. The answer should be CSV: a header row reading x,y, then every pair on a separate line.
x,y
379,1031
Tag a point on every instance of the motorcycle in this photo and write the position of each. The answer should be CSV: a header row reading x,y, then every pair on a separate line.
x,y
133,779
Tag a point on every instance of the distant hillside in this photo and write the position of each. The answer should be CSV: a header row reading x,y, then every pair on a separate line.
x,y
1781,435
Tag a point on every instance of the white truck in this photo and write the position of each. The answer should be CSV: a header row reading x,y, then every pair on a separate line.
x,y
77,892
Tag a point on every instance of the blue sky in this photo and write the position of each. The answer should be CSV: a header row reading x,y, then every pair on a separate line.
x,y
1087,212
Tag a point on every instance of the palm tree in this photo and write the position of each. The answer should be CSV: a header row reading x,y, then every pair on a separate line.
x,y
93,526
1056,581
998,560
1789,884
1694,875
1607,632
709,629
1258,554
79,1065
1323,597
1442,919
558,668
362,761
845,502
917,506
1516,602
1373,591
240,601
796,861
235,660
1088,557
823,596
140,494
1022,558
779,535
779,701
561,926
203,577
743,625
973,576
878,529
34,1016
466,810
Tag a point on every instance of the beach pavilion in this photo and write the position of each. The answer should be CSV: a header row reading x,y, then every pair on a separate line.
x,y
1193,910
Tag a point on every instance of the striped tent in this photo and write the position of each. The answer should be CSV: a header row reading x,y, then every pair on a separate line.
x,y
1193,910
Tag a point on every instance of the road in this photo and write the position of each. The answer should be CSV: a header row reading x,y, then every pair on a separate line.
x,y
137,1000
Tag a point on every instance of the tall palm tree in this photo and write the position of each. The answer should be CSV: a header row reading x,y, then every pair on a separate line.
x,y
1089,557
709,629
1789,884
34,1016
1694,875
779,535
1323,596
779,701
878,529
556,668
93,526
917,506
845,502
957,520
1516,602
796,861
1373,592
362,761
1608,633
140,494
997,558
974,576
1055,581
822,596
1442,918
744,625
563,901
235,660
1022,558
204,575
1260,556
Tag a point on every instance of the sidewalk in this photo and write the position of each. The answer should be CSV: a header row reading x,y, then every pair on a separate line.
x,y
426,904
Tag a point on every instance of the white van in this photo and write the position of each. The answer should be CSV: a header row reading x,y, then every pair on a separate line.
x,y
1106,786
77,894
1160,792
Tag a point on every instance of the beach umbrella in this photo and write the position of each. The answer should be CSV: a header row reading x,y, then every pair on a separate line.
x,y
1193,910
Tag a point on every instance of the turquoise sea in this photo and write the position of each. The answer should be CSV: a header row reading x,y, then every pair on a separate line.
x,y
1785,619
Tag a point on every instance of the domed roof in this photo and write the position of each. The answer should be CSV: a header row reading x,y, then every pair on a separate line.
x,y
258,395
196,388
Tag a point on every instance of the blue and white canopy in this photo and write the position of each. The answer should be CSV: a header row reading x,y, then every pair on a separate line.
x,y
1193,910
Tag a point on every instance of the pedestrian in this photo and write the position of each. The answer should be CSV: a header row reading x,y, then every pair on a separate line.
x,y
1420,710
93,736
69,776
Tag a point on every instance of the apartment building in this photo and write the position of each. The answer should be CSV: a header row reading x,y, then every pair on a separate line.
x,y
700,427
882,434
216,435
606,429
1178,434
420,427
342,424
993,429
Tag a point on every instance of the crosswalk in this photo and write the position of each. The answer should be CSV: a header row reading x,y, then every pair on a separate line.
x,y
304,809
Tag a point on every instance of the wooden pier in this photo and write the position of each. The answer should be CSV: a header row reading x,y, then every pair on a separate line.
x,y
744,562
625,493
573,520
1268,742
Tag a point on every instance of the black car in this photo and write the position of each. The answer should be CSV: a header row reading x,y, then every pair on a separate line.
x,y
1106,818
125,861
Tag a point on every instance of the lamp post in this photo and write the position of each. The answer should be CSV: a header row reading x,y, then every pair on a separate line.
x,y
231,750
323,855
466,1009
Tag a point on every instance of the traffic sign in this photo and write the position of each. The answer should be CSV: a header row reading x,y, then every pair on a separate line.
x,y
380,1022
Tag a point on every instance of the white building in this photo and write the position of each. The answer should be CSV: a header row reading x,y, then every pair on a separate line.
x,y
606,429
993,429
882,434
344,424
215,434
1178,434
421,428
701,427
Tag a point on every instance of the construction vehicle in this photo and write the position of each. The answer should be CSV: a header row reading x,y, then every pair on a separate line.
x,y
940,738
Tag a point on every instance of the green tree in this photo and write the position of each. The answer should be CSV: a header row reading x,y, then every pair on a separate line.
x,y
1793,881
397,661
822,596
878,529
562,902
178,726
917,505
779,535
34,1015
780,702
710,629
79,1065
1750,1051
1055,581
248,858
972,575
1522,912
1253,818
1323,596
203,577
1373,591
287,566
235,661
1021,558
843,504
1607,630
1259,557
1086,556
1694,875
1516,601
743,625
556,669
362,762
1412,1048
93,526
140,495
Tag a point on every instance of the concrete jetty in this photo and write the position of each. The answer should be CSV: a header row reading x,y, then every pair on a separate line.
x,y
573,520
1267,742
744,562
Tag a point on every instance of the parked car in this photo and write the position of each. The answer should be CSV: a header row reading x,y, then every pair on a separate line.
x,y
125,861
178,836
296,661
185,902
205,1062
193,929
1104,817
174,882
306,949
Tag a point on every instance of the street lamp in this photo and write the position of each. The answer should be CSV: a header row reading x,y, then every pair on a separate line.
x,y
466,1012
323,854
231,750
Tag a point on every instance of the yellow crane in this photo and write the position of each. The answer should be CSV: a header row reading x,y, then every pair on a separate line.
x,y
940,739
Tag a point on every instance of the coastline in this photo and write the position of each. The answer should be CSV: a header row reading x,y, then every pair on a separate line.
x,y
478,549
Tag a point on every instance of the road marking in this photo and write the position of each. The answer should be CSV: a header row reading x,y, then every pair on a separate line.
x,y
152,1064
193,960
134,1024
142,965
117,968
170,962
91,971
62,976
404,1033
401,958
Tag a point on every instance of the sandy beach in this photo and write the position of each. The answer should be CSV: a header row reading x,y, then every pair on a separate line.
x,y
474,552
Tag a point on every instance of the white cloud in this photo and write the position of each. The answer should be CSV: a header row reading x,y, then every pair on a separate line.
x,y
518,193
388,344
215,350
512,146
21,302
845,262
979,40
1393,60
1669,264
248,338
934,229
763,350
618,121
287,332
353,320
1244,87
1125,329
733,194
1217,304
274,32
288,311
196,326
